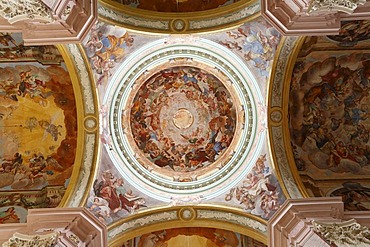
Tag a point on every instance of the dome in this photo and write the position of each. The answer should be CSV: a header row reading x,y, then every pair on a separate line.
x,y
184,119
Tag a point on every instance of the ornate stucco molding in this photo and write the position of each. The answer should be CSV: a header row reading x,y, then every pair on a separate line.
x,y
87,111
291,225
343,233
318,222
187,216
314,17
48,22
70,227
20,10
325,6
23,240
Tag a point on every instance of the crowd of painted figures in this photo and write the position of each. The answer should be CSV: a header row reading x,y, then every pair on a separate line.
x,y
193,148
352,32
257,194
31,174
256,42
28,84
355,196
34,104
105,51
334,127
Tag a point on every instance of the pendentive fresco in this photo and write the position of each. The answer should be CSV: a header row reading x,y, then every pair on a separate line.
x,y
181,118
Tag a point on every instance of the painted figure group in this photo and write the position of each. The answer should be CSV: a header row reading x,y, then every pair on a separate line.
x,y
186,149
111,197
335,129
257,194
32,174
256,42
105,51
28,85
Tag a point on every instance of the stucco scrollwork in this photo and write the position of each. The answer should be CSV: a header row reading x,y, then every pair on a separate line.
x,y
186,200
139,222
344,233
222,20
84,78
346,6
131,20
20,240
18,10
231,217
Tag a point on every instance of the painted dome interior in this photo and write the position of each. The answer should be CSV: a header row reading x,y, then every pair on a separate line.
x,y
183,118
171,132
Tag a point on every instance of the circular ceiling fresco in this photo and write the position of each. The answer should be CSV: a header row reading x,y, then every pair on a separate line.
x,y
183,119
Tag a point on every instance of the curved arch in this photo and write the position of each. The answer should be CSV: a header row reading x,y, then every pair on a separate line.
x,y
87,126
188,22
175,217
278,132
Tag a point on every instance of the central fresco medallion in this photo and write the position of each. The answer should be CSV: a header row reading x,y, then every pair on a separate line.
x,y
183,118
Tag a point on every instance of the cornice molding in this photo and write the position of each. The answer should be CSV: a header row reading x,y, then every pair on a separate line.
x,y
315,17
70,227
318,222
46,22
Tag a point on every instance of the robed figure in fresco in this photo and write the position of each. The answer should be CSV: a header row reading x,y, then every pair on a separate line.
x,y
9,216
112,197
